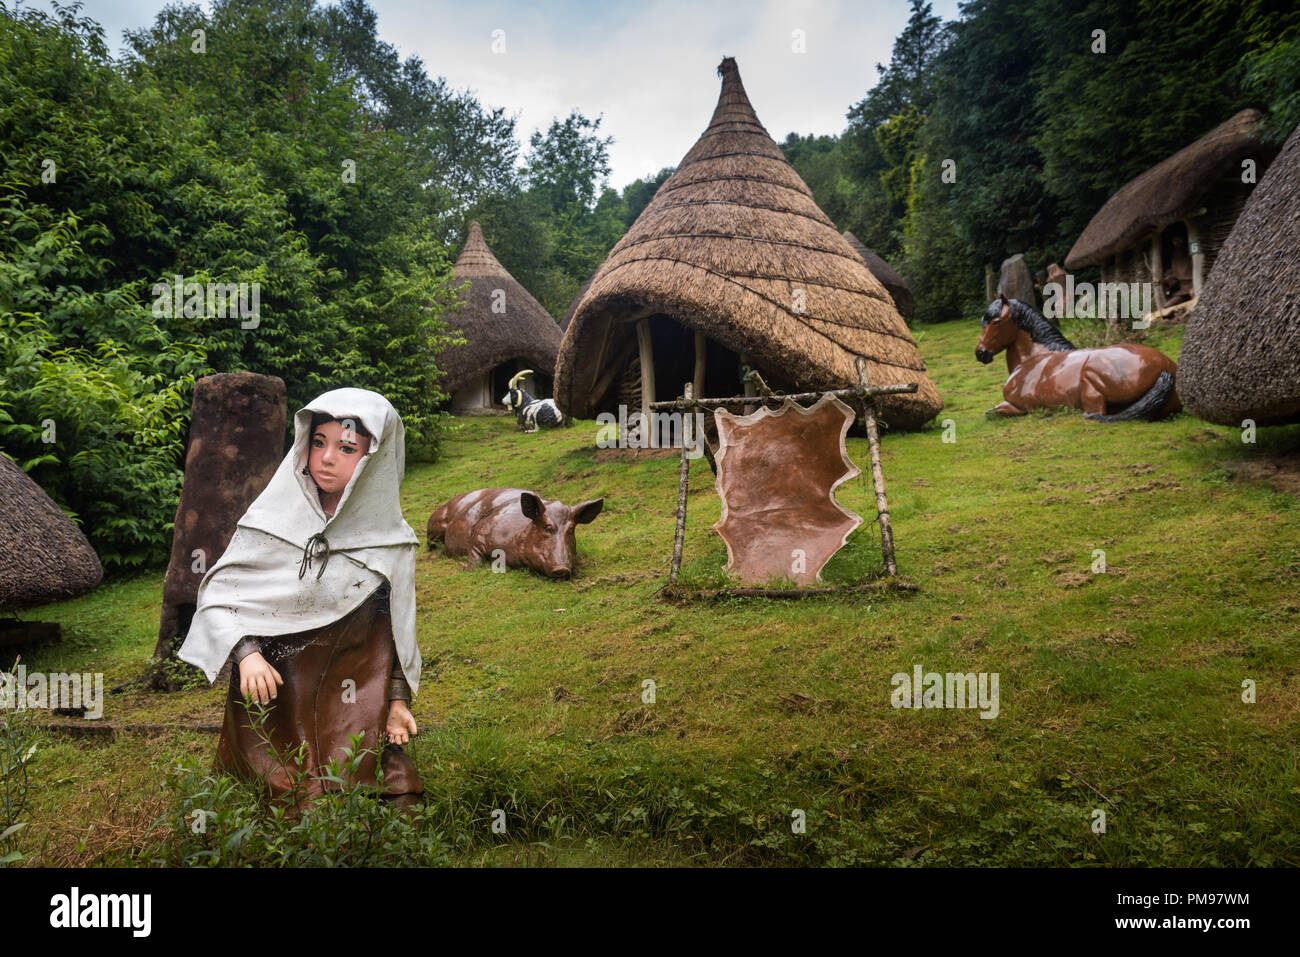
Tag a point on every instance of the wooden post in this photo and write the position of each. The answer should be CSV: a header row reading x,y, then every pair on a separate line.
x,y
701,347
750,389
1198,257
647,365
989,290
877,473
1157,271
683,480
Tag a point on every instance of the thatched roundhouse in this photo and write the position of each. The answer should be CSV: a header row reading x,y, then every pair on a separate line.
x,y
1170,222
506,330
44,557
732,262
892,281
1241,351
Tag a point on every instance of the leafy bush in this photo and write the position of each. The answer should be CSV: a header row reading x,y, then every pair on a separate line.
x,y
218,821
17,747
101,435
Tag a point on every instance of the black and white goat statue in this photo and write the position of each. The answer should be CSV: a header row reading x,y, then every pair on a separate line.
x,y
531,413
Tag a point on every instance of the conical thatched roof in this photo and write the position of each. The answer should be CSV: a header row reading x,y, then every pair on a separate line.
x,y
1241,350
723,247
525,330
891,280
1167,191
43,556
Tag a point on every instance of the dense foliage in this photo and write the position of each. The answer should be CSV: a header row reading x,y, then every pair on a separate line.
x,y
1040,123
275,143
281,143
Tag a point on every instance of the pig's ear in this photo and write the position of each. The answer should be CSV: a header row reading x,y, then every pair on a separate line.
x,y
587,511
532,506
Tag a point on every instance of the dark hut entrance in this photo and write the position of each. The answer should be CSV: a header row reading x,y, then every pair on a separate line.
x,y
485,391
669,348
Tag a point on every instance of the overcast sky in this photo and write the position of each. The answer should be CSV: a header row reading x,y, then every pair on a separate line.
x,y
648,67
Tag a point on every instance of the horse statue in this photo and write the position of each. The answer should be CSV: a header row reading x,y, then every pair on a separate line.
x,y
1111,384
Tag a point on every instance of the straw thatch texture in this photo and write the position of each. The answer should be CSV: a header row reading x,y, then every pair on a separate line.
x,y
524,331
1167,191
43,556
1241,350
892,281
730,246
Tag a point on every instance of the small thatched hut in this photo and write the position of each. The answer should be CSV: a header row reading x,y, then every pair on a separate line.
x,y
1167,225
892,281
732,262
506,330
1241,351
43,556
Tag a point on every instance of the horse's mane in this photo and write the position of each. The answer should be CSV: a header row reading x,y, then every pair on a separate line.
x,y
1039,329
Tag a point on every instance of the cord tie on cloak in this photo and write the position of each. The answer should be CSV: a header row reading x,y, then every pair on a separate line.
x,y
310,549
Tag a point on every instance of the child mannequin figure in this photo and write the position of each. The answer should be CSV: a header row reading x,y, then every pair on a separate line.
x,y
333,653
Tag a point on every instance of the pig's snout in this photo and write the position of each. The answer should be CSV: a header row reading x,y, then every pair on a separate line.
x,y
563,573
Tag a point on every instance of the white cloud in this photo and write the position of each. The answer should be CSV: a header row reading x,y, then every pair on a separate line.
x,y
647,66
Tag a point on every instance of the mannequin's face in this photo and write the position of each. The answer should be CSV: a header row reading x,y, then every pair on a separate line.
x,y
334,455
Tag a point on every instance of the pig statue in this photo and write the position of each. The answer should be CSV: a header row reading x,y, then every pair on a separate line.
x,y
529,531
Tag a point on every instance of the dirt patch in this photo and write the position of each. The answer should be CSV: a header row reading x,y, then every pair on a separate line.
x,y
1280,471
1116,637
1116,494
639,721
1072,579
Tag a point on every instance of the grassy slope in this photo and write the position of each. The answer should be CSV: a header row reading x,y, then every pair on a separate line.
x,y
1127,683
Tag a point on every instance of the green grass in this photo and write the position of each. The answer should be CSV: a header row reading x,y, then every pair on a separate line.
x,y
1126,683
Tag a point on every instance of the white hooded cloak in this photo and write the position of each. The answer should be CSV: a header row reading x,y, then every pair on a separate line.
x,y
256,587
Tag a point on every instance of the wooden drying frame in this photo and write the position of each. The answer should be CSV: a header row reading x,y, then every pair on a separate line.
x,y
867,393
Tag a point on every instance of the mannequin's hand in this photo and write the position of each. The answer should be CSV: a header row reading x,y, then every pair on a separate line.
x,y
257,679
401,723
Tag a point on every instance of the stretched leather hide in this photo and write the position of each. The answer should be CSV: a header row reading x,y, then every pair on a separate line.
x,y
777,475
312,707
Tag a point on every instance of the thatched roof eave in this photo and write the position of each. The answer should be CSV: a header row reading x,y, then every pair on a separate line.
x,y
524,331
1166,192
734,246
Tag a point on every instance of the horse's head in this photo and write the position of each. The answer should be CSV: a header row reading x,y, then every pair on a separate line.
x,y
999,330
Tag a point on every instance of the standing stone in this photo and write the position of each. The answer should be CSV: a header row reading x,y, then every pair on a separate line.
x,y
236,443
1017,282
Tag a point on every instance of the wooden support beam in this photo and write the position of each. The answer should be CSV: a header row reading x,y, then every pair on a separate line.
x,y
647,365
679,405
1157,269
613,370
751,391
701,349
1198,256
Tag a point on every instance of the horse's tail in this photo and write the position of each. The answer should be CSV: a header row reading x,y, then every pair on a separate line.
x,y
1147,407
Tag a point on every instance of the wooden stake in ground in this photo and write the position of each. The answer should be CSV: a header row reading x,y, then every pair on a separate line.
x,y
877,473
683,479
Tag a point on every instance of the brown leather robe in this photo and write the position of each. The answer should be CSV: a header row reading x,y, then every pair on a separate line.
x,y
336,684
